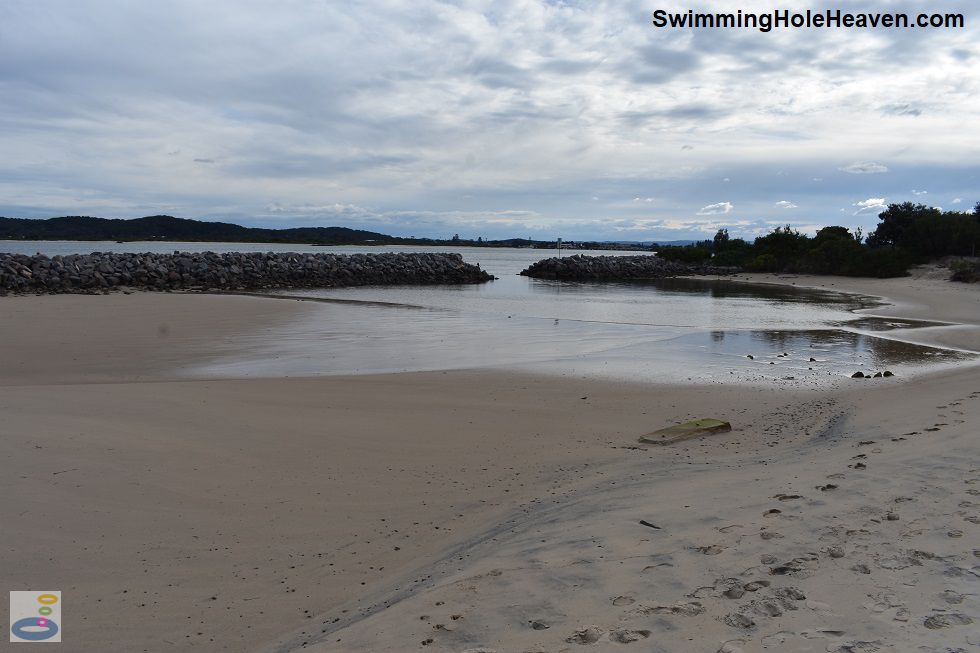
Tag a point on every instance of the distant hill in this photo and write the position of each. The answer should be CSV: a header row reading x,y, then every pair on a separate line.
x,y
165,227
168,228
673,243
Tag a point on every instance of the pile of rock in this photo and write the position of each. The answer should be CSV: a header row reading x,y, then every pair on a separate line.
x,y
617,268
79,273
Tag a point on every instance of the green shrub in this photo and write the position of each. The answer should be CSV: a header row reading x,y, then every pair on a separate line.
x,y
685,254
763,263
965,271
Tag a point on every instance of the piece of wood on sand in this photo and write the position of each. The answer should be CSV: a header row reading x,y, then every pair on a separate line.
x,y
686,431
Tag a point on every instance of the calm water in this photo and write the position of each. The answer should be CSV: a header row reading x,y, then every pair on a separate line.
x,y
672,329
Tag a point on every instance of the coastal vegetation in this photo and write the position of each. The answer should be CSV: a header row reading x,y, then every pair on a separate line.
x,y
906,234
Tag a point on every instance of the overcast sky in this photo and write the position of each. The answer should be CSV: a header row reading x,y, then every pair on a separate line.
x,y
496,119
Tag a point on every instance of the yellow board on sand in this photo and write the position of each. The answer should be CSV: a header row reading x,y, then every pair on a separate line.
x,y
686,431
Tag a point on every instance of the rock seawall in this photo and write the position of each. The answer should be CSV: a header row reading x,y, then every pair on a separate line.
x,y
616,268
81,273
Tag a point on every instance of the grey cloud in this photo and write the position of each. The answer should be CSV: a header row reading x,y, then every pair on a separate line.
x,y
498,73
309,165
656,64
568,66
901,110
697,112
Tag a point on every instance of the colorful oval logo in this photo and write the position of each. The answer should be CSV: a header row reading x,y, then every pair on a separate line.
x,y
34,616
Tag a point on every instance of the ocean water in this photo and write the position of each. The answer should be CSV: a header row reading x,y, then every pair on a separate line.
x,y
697,330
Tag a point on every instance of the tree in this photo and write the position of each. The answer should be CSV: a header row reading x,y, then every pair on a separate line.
x,y
721,240
897,226
834,251
778,250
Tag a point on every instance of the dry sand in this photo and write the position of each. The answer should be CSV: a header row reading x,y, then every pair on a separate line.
x,y
489,510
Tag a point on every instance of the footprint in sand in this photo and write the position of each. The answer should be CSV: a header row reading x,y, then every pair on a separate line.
x,y
796,568
739,620
883,602
585,635
783,599
734,592
756,585
856,646
691,609
946,620
951,597
625,636
777,639
711,550
623,600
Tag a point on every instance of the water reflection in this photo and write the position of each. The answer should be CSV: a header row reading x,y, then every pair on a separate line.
x,y
822,346
709,288
888,324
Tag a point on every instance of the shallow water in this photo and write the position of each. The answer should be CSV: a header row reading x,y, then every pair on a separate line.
x,y
701,330
671,331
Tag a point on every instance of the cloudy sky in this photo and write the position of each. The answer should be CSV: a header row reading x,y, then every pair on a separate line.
x,y
487,118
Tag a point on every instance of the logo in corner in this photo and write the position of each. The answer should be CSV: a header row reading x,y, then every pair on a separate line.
x,y
35,616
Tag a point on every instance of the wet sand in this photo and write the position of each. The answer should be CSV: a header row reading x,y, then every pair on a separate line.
x,y
925,295
490,509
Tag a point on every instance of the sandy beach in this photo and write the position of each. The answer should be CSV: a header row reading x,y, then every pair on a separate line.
x,y
477,510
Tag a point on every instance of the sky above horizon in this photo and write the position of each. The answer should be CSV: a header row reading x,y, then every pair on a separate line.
x,y
498,119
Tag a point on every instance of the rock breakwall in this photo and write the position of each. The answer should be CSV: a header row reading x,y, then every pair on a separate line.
x,y
617,268
81,273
